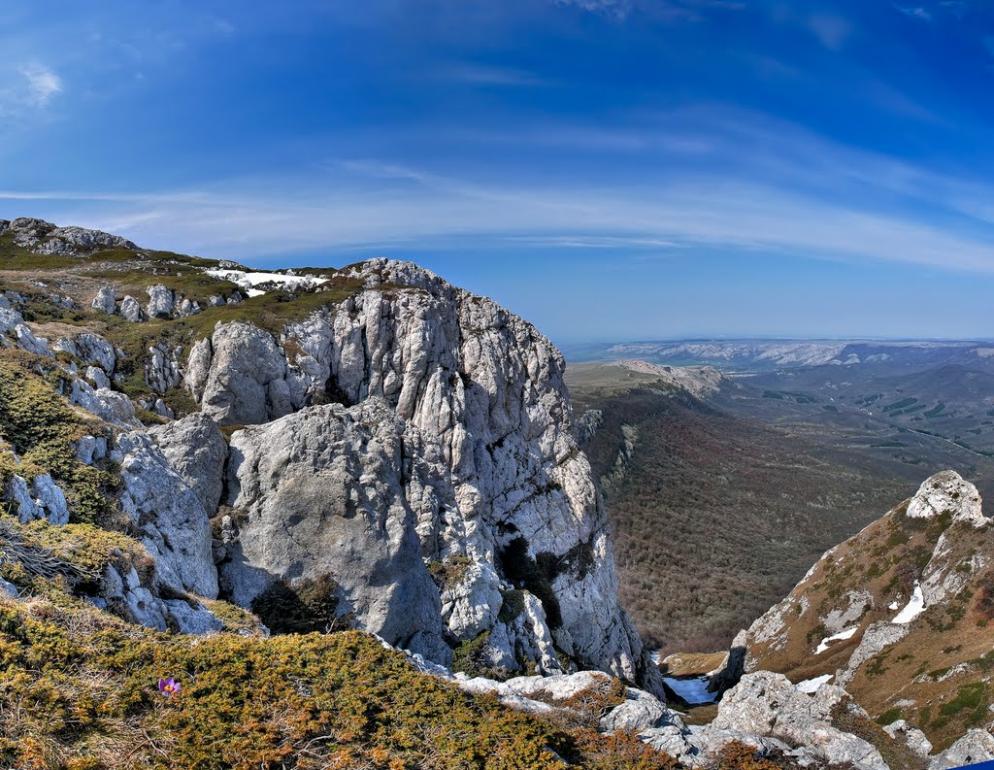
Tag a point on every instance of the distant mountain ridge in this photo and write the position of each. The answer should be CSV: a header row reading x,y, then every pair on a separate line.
x,y
766,354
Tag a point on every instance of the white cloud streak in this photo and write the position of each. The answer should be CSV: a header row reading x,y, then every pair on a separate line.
x,y
42,84
745,184
742,218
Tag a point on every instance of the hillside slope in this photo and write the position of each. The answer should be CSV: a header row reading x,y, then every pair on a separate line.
x,y
900,615
725,513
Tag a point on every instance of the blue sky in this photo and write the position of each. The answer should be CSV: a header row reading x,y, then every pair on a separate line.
x,y
611,169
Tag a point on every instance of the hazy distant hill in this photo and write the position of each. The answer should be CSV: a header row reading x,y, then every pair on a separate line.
x,y
765,355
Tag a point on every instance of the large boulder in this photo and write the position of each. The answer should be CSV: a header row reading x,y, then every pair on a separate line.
x,y
131,310
106,404
105,300
245,383
160,301
323,495
768,704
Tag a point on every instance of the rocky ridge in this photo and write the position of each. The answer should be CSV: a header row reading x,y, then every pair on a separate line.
x,y
899,616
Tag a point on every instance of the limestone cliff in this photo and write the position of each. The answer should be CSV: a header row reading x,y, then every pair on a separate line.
x,y
450,439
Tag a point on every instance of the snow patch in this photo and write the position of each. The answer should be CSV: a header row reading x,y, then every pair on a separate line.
x,y
893,605
847,633
250,281
811,686
693,691
914,607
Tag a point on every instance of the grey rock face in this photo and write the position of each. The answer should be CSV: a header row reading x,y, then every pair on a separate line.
x,y
16,492
105,300
198,368
587,425
7,588
546,695
162,370
875,639
700,747
487,390
192,618
640,711
160,301
126,594
323,495
129,596
42,499
9,319
131,310
524,638
767,704
26,340
97,377
50,499
169,515
976,746
948,491
196,450
94,349
91,349
186,308
246,379
91,449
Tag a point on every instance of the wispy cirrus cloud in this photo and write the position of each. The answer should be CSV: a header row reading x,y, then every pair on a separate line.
x,y
915,12
42,84
832,31
618,8
356,212
667,10
488,75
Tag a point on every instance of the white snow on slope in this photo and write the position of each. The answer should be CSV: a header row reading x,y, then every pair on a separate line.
x,y
914,607
811,686
839,637
250,281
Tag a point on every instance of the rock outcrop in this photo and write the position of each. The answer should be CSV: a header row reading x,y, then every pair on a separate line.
x,y
947,492
169,515
765,711
43,237
974,747
883,615
480,400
